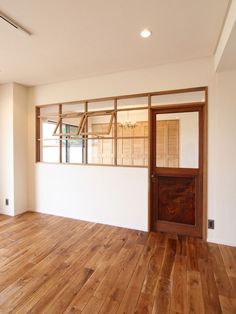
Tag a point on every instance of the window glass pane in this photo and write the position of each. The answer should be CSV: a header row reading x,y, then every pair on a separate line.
x,y
76,151
48,120
179,98
177,137
100,125
64,156
49,113
101,151
132,123
50,146
72,118
132,152
72,147
75,107
73,151
50,153
132,102
132,133
101,105
70,125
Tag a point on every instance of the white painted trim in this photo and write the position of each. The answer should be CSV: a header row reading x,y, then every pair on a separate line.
x,y
217,241
227,29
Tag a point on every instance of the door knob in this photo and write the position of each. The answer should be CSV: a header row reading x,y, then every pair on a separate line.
x,y
153,177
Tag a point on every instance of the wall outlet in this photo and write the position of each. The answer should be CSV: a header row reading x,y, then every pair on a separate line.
x,y
7,201
211,224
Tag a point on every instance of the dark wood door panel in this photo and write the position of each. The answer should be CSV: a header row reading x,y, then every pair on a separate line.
x,y
176,199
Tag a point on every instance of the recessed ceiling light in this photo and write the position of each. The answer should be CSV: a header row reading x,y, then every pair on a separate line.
x,y
145,33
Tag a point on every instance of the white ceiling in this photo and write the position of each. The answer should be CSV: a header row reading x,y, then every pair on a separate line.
x,y
82,38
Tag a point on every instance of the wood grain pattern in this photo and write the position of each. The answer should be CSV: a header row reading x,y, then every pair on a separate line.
x,y
52,264
176,199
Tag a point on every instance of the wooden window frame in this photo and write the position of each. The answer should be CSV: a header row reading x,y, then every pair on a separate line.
x,y
84,126
68,116
97,114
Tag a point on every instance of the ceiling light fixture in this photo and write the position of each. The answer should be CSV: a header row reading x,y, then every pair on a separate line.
x,y
14,24
145,33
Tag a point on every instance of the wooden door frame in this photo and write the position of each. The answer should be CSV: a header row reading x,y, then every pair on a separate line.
x,y
190,107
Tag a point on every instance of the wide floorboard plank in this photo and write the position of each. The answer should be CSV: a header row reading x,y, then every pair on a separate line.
x,y
52,264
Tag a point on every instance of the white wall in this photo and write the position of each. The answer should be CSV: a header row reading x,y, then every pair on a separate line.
x,y
6,149
116,196
104,197
178,75
223,205
13,146
20,129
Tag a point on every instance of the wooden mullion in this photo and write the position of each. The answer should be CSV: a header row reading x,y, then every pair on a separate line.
x,y
132,108
205,165
86,136
115,132
150,164
93,164
181,107
37,134
60,128
96,138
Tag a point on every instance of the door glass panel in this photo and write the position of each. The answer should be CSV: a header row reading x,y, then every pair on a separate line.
x,y
177,140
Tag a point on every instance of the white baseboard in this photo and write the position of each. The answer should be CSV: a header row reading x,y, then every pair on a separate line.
x,y
223,242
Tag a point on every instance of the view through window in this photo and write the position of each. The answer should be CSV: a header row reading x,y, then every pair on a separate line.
x,y
114,131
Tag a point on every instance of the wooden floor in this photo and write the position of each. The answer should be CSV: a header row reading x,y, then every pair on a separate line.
x,y
57,265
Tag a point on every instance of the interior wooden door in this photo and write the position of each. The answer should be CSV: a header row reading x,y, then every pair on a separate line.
x,y
177,143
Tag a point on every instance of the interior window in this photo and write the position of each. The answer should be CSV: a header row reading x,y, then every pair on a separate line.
x,y
114,131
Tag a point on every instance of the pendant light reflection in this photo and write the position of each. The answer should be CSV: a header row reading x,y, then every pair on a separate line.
x,y
128,124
